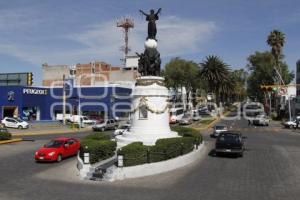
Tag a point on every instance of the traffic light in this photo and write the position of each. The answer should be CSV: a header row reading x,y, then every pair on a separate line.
x,y
29,79
266,88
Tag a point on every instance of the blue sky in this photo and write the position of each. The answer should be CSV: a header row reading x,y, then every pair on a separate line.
x,y
33,32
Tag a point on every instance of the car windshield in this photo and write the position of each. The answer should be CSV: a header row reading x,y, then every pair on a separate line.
x,y
221,127
54,144
230,138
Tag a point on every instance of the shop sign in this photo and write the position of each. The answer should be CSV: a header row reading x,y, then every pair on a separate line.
x,y
35,91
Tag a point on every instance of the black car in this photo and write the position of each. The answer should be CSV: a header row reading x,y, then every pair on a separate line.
x,y
230,142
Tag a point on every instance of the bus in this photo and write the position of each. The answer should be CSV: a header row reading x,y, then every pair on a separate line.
x,y
175,115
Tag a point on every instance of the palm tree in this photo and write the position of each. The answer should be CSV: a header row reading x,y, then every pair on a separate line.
x,y
276,40
215,72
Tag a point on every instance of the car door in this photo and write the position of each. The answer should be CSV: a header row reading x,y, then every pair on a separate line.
x,y
72,147
67,149
11,123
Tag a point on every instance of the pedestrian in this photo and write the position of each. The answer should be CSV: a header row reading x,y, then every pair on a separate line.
x,y
249,122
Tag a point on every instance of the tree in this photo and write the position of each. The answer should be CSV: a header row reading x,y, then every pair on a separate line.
x,y
276,40
215,72
260,66
182,73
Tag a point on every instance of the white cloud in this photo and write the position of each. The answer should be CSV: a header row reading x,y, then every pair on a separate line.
x,y
176,37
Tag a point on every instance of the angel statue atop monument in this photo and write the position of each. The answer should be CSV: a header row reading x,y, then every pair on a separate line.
x,y
151,18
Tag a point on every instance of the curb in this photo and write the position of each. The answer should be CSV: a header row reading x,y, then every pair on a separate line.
x,y
156,168
11,141
48,133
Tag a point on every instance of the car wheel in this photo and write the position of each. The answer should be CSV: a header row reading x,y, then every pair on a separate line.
x,y
102,129
20,127
59,158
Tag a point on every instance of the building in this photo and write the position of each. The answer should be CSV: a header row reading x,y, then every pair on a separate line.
x,y
92,74
93,89
44,103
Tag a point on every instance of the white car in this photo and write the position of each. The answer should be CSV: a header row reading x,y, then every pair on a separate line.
x,y
261,120
121,129
290,124
14,123
219,129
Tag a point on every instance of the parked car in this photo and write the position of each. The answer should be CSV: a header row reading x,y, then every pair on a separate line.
x,y
11,122
105,125
262,120
230,142
219,129
121,129
290,124
57,149
186,120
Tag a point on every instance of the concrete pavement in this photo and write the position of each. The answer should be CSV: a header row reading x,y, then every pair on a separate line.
x,y
268,170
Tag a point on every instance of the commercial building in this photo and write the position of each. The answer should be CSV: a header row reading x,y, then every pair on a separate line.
x,y
44,103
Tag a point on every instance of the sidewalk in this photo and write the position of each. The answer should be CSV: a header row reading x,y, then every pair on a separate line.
x,y
46,131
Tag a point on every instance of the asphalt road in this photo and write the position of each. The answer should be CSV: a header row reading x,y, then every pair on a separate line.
x,y
268,170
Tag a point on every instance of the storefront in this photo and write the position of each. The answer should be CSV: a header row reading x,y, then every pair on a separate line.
x,y
38,103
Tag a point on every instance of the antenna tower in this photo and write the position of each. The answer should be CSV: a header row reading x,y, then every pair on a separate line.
x,y
125,23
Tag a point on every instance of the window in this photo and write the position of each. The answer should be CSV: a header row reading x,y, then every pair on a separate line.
x,y
70,142
143,112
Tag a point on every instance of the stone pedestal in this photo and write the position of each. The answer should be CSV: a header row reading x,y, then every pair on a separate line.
x,y
150,113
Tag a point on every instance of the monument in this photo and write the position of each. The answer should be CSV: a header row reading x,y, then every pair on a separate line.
x,y
149,114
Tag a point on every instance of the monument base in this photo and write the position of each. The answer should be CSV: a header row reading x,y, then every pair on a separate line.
x,y
150,113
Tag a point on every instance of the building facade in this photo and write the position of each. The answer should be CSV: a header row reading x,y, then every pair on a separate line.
x,y
44,103
92,74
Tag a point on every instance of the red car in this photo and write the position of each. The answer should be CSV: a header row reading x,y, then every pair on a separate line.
x,y
58,149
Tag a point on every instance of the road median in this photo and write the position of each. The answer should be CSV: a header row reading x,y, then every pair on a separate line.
x,y
11,141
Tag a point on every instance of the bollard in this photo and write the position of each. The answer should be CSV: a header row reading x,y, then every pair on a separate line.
x,y
120,161
86,158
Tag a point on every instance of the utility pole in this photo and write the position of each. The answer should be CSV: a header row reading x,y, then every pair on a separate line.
x,y
64,100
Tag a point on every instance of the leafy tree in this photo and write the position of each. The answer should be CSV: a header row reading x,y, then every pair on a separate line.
x,y
261,68
215,73
182,73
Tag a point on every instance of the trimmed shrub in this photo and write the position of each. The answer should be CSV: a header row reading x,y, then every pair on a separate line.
x,y
134,154
98,136
5,136
98,149
170,148
188,132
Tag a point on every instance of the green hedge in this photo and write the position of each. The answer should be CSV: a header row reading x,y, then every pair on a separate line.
x,y
136,153
188,132
99,146
98,149
5,136
168,148
98,136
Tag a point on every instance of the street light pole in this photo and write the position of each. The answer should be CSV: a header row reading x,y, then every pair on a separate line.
x,y
64,101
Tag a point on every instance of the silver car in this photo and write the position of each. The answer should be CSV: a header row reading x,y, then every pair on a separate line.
x,y
219,129
107,124
186,120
